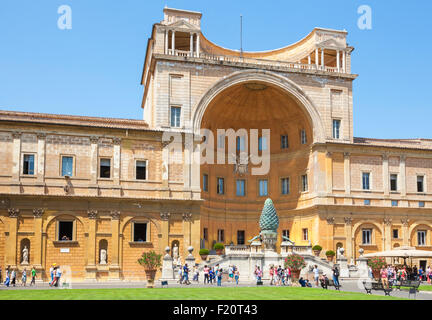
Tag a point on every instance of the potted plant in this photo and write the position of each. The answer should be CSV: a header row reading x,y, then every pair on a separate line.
x,y
376,264
219,247
150,261
317,250
204,254
295,262
330,255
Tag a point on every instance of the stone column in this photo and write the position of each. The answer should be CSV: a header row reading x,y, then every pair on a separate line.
x,y
94,160
11,245
387,234
164,241
198,45
316,57
187,219
114,268
166,42
329,172
349,238
91,269
309,59
403,175
173,42
344,61
16,156
322,58
386,178
41,157
116,160
37,242
338,60
405,232
191,51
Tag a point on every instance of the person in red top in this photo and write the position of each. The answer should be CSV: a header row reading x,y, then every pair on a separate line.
x,y
272,275
384,277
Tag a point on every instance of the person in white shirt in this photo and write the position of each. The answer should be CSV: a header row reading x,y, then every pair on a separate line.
x,y
316,275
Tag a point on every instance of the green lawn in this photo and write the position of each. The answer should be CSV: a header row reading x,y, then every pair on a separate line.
x,y
242,293
427,287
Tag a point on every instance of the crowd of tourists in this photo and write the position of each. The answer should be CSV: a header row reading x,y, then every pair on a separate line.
x,y
12,279
211,275
391,275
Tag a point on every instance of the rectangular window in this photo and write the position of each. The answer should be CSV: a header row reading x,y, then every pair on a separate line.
x,y
240,237
284,142
175,116
240,188
67,166
420,183
286,233
366,202
285,186
205,234
220,186
304,183
395,234
241,143
262,143
205,182
65,230
393,182
28,164
366,181
105,168
367,236
139,232
394,203
263,190
336,129
221,235
305,234
141,170
421,204
421,238
303,138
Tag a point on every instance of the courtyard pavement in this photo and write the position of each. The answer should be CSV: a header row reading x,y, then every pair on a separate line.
x,y
347,285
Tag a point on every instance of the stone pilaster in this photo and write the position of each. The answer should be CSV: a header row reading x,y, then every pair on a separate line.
x,y
329,172
91,246
349,238
16,156
164,222
347,176
37,243
405,231
11,240
94,159
386,177
114,268
41,156
187,218
387,223
402,175
116,160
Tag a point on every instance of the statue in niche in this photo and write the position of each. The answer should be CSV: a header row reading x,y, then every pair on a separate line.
x,y
175,252
25,253
103,256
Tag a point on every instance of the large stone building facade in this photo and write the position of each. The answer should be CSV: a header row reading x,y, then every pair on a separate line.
x,y
71,186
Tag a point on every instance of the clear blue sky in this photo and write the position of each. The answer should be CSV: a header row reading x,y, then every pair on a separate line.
x,y
94,69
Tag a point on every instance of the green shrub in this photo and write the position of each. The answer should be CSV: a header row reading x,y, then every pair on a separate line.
x,y
317,247
330,253
204,252
150,260
219,246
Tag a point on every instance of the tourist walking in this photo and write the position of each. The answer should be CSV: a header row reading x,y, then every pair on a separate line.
x,y
58,276
180,275
219,277
51,270
206,274
212,275
13,277
186,274
271,271
428,274
259,274
384,277
24,277
196,274
335,275
230,274
33,275
316,275
7,281
236,275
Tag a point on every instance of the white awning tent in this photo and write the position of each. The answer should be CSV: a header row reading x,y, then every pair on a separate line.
x,y
402,252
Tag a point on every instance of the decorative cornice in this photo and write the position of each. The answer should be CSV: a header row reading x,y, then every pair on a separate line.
x,y
92,214
385,156
405,222
165,216
187,216
13,212
41,135
348,221
347,154
38,212
331,220
94,139
115,214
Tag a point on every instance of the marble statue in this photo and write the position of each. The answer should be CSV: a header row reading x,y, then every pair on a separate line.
x,y
175,251
25,255
103,256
